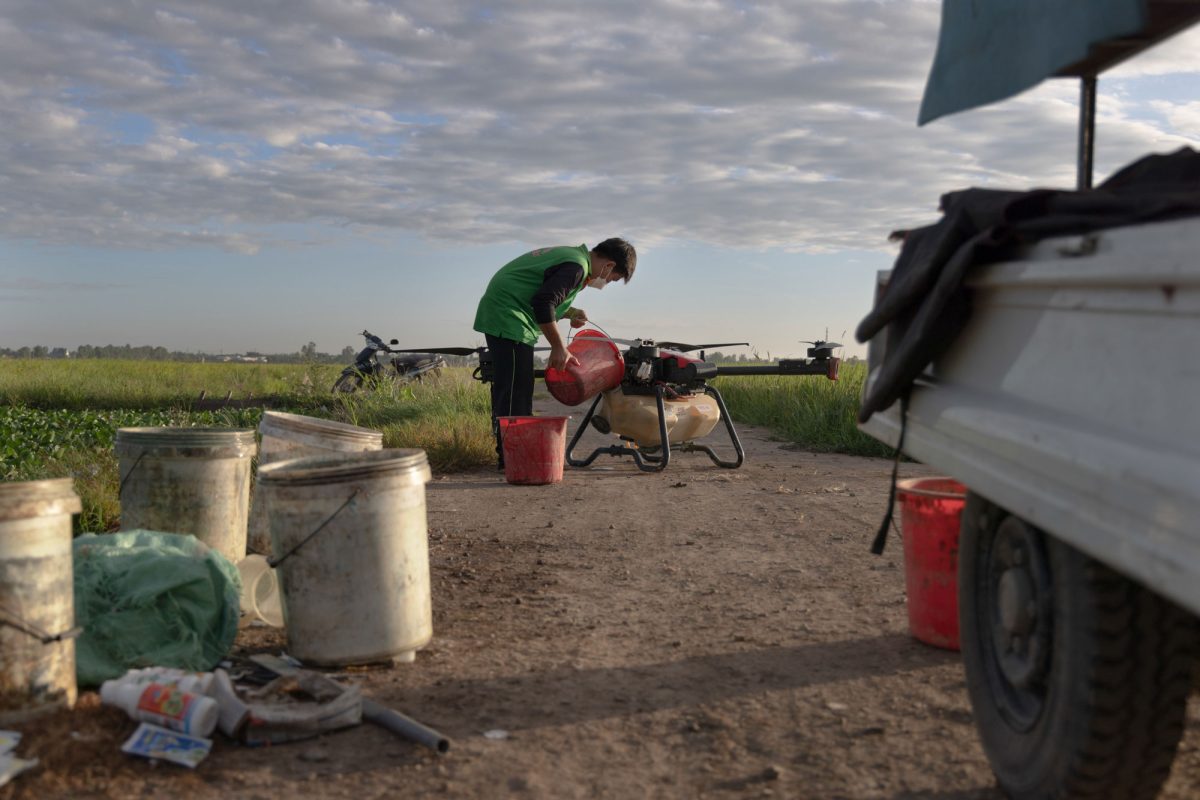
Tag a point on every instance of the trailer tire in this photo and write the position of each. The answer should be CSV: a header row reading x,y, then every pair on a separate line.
x,y
1078,676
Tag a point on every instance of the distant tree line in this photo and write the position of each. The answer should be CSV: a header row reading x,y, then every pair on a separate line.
x,y
306,354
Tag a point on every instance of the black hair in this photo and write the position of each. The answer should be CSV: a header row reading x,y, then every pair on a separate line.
x,y
621,253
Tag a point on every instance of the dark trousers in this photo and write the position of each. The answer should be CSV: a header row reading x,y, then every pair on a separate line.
x,y
512,388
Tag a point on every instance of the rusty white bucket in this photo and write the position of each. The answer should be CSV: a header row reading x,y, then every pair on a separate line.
x,y
287,436
37,598
350,542
188,480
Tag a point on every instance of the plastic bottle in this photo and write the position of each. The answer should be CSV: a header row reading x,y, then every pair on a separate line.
x,y
162,705
194,682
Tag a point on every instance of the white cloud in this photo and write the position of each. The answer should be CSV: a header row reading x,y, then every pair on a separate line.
x,y
1184,117
768,124
1174,55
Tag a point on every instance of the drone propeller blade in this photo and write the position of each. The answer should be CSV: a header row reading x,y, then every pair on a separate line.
x,y
819,343
449,351
683,348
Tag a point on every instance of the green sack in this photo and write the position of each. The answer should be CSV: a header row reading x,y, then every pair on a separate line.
x,y
150,599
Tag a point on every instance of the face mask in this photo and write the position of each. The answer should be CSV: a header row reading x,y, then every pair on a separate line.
x,y
597,283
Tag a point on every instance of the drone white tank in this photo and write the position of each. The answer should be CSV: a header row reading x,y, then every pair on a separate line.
x,y
636,416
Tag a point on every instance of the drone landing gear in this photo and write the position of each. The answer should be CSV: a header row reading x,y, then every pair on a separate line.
x,y
657,461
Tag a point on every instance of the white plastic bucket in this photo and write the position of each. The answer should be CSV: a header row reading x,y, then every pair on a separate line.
x,y
350,541
188,480
260,592
287,436
37,598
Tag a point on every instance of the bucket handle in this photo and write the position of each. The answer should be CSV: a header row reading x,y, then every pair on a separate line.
x,y
132,469
275,562
13,621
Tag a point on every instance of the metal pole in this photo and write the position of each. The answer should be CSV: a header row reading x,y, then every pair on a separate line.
x,y
1087,131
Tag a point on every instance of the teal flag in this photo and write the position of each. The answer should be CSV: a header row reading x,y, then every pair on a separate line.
x,y
992,49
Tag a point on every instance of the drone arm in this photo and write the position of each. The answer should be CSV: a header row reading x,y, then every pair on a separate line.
x,y
788,366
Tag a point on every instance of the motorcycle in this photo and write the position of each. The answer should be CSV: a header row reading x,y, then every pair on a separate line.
x,y
372,365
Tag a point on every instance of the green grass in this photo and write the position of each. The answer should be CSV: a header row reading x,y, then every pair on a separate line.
x,y
449,417
59,418
91,384
815,413
63,443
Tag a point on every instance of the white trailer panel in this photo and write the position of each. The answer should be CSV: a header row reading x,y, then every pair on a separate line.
x,y
1072,398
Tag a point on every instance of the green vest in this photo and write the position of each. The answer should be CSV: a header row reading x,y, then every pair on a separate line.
x,y
505,310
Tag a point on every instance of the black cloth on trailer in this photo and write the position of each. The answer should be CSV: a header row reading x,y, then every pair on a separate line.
x,y
924,305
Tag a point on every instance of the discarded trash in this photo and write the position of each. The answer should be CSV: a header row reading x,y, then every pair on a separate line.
x,y
146,598
194,682
496,734
152,741
299,706
260,592
232,712
11,767
404,725
165,706
372,711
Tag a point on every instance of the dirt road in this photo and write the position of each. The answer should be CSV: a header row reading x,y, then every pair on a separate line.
x,y
695,633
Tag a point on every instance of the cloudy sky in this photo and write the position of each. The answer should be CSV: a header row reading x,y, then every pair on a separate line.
x,y
230,176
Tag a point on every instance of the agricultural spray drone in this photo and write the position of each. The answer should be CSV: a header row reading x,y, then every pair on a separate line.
x,y
654,396
663,401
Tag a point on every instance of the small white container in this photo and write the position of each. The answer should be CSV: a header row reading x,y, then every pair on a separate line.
x,y
194,682
165,706
260,591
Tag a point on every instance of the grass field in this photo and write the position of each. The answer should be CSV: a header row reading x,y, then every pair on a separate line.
x,y
59,418
813,412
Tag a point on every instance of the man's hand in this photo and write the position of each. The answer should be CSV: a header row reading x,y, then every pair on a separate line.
x,y
578,317
561,358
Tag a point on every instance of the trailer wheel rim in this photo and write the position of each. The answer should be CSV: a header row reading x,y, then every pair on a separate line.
x,y
1019,614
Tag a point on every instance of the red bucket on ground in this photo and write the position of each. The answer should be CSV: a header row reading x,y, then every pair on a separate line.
x,y
534,449
930,510
600,368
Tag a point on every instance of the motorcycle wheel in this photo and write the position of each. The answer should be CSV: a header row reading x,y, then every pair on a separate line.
x,y
348,383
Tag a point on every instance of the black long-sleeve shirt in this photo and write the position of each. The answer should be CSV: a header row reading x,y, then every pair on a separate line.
x,y
557,282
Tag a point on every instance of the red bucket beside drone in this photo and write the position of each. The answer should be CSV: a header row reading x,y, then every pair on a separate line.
x,y
600,368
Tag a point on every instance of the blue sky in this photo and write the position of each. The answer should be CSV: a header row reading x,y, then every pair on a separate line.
x,y
227,176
